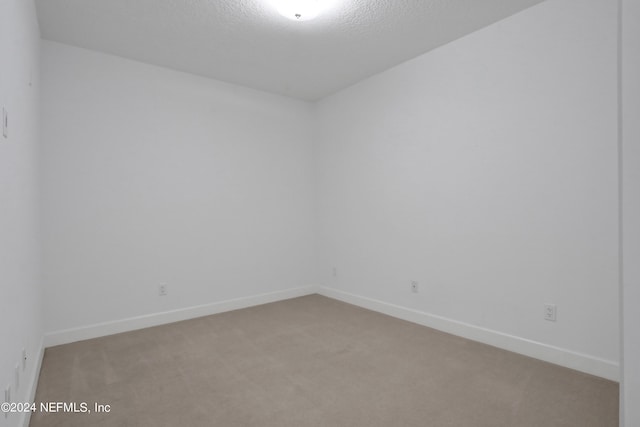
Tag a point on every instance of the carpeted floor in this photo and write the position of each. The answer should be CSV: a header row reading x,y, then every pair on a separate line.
x,y
312,361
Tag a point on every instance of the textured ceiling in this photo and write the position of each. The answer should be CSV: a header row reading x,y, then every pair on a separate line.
x,y
248,43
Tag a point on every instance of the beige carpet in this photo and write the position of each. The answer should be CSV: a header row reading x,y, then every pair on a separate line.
x,y
313,361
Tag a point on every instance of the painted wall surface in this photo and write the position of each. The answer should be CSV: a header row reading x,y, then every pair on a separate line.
x,y
631,210
152,176
486,170
20,290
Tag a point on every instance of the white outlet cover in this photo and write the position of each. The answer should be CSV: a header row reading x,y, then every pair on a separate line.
x,y
550,311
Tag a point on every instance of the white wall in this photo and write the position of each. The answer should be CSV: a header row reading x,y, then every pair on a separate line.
x,y
20,291
487,171
630,396
153,176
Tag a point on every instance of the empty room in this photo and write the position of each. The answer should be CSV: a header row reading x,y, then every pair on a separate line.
x,y
320,213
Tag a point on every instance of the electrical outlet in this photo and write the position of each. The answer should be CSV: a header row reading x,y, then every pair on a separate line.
x,y
414,287
162,290
550,312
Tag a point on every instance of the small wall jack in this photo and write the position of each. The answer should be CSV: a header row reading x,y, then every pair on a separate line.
x,y
414,287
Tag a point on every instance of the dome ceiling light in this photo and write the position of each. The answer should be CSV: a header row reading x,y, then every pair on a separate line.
x,y
300,10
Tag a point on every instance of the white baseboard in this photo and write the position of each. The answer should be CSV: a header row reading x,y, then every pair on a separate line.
x,y
124,325
556,355
581,362
33,382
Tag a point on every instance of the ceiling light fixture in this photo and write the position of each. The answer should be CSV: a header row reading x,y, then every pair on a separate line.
x,y
300,10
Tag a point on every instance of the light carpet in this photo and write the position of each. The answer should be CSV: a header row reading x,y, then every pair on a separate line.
x,y
312,361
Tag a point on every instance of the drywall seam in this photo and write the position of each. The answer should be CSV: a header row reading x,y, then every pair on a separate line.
x,y
581,362
139,322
